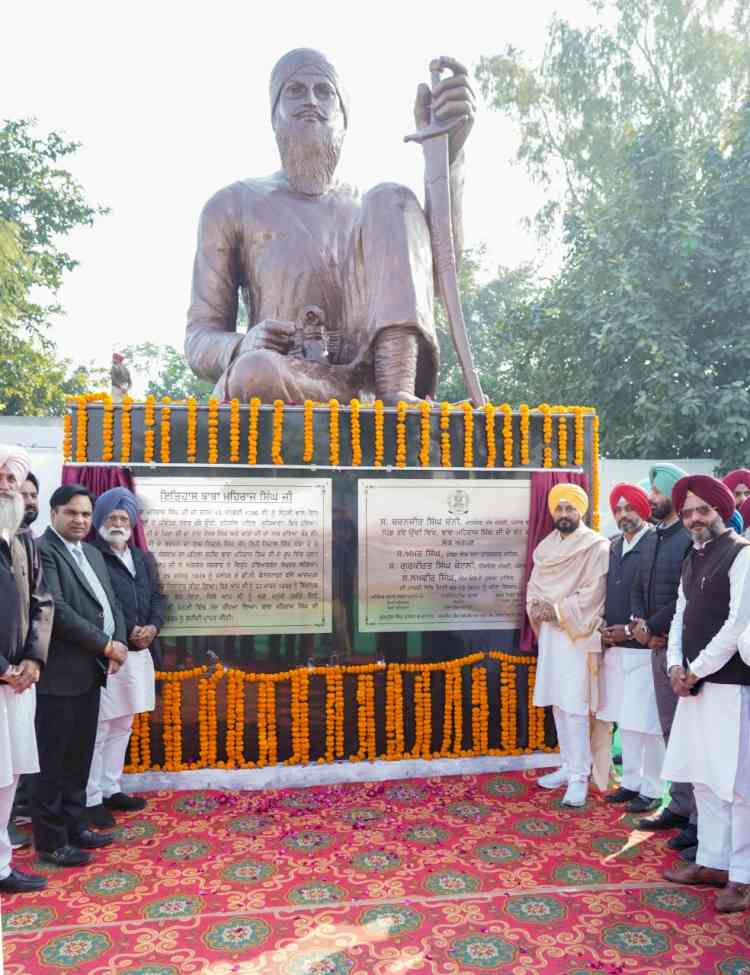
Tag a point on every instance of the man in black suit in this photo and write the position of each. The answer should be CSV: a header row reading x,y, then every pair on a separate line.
x,y
88,642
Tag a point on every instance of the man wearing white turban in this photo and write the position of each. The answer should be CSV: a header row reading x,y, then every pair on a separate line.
x,y
26,611
565,602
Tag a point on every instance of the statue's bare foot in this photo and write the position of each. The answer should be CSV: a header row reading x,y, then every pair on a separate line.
x,y
393,399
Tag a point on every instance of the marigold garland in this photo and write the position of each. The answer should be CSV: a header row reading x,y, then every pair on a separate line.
x,y
308,449
401,434
595,516
252,431
234,431
277,431
424,434
379,439
67,437
213,430
524,425
356,432
445,436
191,431
334,445
108,426
507,435
126,429
562,441
468,434
489,433
149,419
579,441
82,423
164,430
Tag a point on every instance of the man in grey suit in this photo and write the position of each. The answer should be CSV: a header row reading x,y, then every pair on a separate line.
x,y
88,642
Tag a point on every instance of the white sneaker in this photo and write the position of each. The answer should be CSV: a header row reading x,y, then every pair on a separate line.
x,y
575,794
553,780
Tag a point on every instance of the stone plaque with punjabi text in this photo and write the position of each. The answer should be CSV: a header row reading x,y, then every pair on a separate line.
x,y
239,556
441,554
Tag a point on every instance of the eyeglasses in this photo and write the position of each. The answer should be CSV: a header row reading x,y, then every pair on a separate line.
x,y
704,510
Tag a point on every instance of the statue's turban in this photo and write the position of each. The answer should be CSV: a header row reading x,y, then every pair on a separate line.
x,y
16,460
305,59
571,493
709,489
633,495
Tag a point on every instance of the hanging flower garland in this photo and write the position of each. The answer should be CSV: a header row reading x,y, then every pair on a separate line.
x,y
252,431
334,445
544,409
579,441
524,411
108,426
445,436
424,434
507,435
508,701
468,410
149,420
277,431
379,439
308,443
401,434
126,429
67,437
356,432
479,710
164,443
234,431
562,441
213,431
82,423
489,433
191,431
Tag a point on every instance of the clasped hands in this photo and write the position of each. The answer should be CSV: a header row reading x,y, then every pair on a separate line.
x,y
614,635
141,637
21,676
681,680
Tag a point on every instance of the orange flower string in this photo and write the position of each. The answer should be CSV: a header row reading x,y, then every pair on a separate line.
x,y
379,439
234,431
191,431
445,436
165,430
278,431
489,432
308,449
252,431
401,434
334,454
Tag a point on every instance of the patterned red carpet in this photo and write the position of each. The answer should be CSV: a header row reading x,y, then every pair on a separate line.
x,y
453,875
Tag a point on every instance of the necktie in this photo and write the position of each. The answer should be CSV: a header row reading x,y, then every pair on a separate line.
x,y
92,578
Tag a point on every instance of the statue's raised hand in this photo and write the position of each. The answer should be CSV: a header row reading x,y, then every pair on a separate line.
x,y
450,102
269,334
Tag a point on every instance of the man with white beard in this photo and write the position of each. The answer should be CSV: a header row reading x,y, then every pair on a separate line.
x,y
131,690
26,610
338,286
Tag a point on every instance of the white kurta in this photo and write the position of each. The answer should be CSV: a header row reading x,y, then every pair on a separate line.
x,y
562,672
627,688
704,744
18,753
131,689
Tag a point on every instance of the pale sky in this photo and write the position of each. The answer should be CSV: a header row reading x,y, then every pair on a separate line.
x,y
170,101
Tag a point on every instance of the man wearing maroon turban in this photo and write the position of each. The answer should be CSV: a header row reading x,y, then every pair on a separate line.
x,y
338,285
709,741
629,697
738,483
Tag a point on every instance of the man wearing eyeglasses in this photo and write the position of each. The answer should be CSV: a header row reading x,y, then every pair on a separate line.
x,y
709,741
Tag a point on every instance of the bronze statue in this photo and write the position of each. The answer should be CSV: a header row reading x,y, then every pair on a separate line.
x,y
338,286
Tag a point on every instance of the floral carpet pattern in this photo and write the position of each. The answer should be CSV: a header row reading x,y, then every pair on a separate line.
x,y
461,875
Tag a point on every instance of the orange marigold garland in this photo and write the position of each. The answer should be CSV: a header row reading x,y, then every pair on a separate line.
x,y
424,434
213,430
108,426
191,431
67,437
356,432
234,431
468,434
524,411
445,435
562,441
277,431
579,441
401,434
379,439
164,430
308,449
252,431
334,445
126,429
149,420
82,424
507,435
489,432
544,409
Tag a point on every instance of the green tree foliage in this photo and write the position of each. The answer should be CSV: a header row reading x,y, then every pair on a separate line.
x,y
648,318
39,203
162,370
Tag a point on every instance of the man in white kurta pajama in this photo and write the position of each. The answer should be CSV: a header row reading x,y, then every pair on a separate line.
x,y
709,665
565,602
26,612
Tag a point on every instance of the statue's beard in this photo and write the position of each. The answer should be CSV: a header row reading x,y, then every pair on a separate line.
x,y
309,154
11,513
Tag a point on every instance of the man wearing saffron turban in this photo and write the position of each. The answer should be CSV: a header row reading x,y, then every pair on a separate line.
x,y
338,286
630,699
565,603
708,658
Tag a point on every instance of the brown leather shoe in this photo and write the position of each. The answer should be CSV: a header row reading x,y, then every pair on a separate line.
x,y
734,897
693,873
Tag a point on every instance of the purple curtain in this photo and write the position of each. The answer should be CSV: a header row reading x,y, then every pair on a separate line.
x,y
101,479
540,525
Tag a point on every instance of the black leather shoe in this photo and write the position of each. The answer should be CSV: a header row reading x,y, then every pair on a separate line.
x,y
65,856
88,840
124,802
21,883
685,838
642,804
99,817
665,820
689,853
17,839
620,795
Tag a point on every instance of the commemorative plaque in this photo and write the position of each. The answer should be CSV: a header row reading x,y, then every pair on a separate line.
x,y
441,554
241,557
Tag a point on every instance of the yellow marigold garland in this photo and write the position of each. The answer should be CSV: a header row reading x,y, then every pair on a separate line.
x,y
489,432
213,430
126,429
468,434
524,425
562,441
546,412
445,436
424,434
67,437
234,431
149,419
108,426
308,448
277,431
82,423
191,430
164,430
507,435
579,441
401,434
334,442
379,439
252,431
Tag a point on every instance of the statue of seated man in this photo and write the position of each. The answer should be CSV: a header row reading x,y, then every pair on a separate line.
x,y
338,285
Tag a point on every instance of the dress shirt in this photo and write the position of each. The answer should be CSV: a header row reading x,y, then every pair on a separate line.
x,y
76,550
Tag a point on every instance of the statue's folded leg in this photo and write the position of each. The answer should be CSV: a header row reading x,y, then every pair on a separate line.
x,y
270,376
